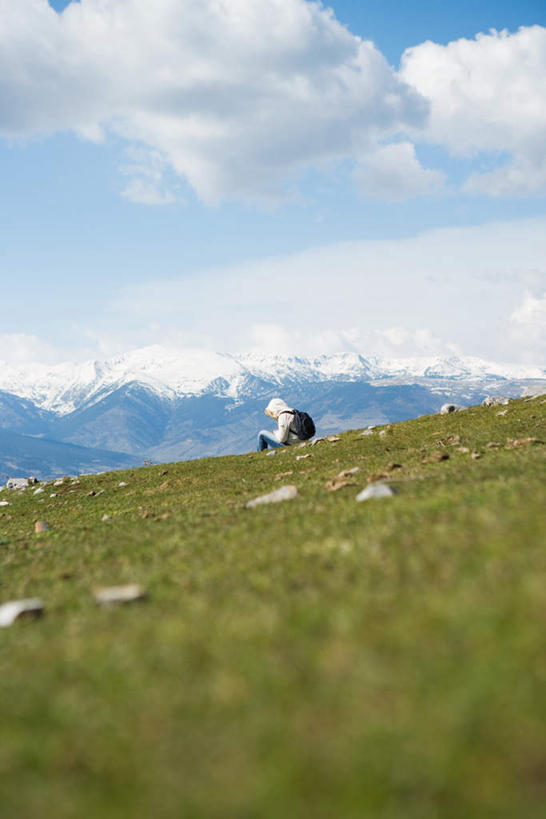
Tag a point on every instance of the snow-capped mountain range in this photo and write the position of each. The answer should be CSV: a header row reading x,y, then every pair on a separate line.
x,y
157,405
172,374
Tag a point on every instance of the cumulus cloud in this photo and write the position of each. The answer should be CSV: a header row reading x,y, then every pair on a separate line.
x,y
487,95
394,173
237,97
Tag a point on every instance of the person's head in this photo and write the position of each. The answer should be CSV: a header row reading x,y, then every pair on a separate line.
x,y
275,407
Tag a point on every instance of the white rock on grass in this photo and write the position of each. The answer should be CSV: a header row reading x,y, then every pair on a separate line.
x,y
41,526
4,503
38,491
16,609
347,473
447,408
375,490
112,595
495,401
17,483
122,483
285,493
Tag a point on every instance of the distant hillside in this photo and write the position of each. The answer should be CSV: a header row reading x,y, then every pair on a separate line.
x,y
21,455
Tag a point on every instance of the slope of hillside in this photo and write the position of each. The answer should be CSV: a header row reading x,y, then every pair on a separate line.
x,y
319,657
43,457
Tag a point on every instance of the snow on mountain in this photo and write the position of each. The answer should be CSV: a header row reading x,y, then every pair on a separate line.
x,y
467,368
175,373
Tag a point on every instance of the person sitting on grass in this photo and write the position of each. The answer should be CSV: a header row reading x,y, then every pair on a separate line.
x,y
293,426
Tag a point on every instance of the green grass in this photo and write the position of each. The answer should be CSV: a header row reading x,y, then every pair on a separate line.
x,y
318,658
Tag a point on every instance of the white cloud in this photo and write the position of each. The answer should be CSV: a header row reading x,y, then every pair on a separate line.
x,y
394,173
442,292
238,97
146,171
518,177
25,348
487,95
392,342
528,324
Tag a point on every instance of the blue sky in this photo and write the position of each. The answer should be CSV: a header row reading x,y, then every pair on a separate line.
x,y
245,185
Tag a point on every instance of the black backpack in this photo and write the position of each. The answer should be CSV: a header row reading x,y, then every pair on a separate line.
x,y
303,425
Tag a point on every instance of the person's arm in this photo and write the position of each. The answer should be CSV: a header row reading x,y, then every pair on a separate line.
x,y
283,430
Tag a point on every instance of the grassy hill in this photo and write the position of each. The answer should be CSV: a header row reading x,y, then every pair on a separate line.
x,y
316,658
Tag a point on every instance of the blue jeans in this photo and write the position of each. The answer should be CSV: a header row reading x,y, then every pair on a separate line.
x,y
266,439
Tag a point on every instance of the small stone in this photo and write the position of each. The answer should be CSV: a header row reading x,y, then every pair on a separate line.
x,y
105,518
38,491
122,483
53,495
516,443
271,452
316,441
303,443
164,516
367,432
30,608
59,482
91,494
112,595
502,412
347,473
448,408
375,490
338,483
282,475
475,456
285,493
382,432
451,440
463,449
303,457
435,458
4,503
41,526
164,485
493,445
332,439
494,401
